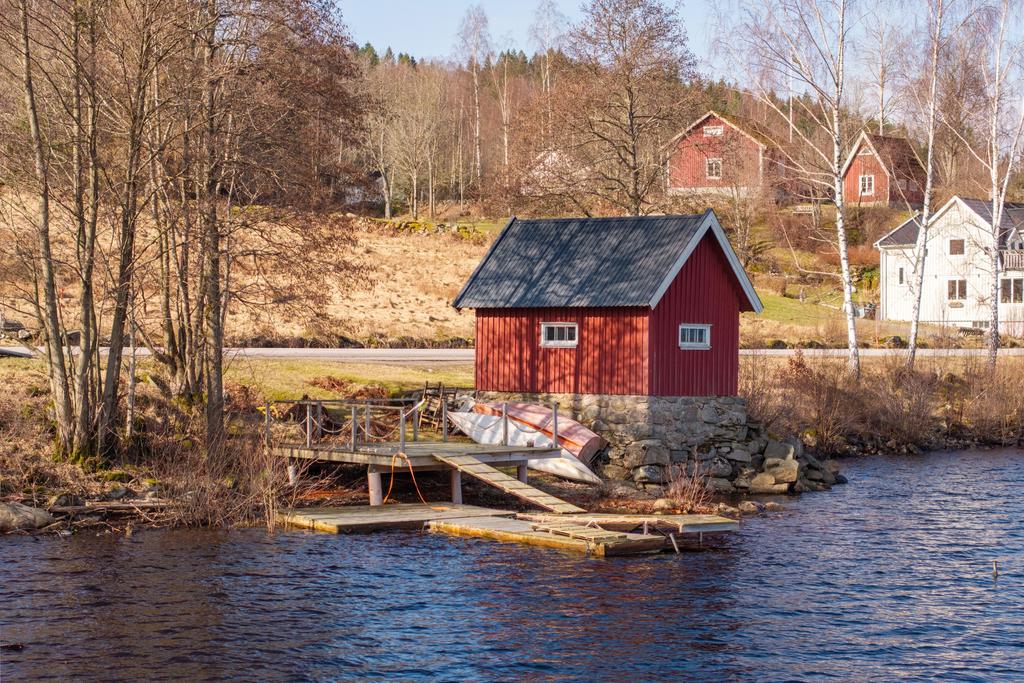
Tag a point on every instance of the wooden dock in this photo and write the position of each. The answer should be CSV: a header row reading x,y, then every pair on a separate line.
x,y
476,460
367,518
592,534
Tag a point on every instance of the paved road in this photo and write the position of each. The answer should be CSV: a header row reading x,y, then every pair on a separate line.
x,y
415,356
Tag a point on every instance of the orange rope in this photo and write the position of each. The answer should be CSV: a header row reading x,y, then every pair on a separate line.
x,y
419,493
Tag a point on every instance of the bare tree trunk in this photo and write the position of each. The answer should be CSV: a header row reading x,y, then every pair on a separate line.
x,y
920,248
476,120
50,317
211,231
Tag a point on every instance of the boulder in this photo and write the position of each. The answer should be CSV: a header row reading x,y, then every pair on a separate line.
x,y
777,449
646,452
749,507
840,479
738,455
785,472
717,468
663,505
720,485
647,474
741,482
14,516
765,483
614,471
772,506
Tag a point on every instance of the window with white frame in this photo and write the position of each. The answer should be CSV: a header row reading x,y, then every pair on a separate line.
x,y
1011,290
559,335
956,290
694,336
714,169
867,184
956,247
713,131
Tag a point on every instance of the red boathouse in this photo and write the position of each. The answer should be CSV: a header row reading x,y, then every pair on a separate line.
x,y
631,306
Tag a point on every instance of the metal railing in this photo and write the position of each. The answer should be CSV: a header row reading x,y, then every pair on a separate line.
x,y
341,421
351,423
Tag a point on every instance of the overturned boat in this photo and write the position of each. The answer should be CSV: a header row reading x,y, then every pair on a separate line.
x,y
533,425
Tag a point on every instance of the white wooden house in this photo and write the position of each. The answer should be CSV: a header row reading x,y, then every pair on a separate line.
x,y
957,273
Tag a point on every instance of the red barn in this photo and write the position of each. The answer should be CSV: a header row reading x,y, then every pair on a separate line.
x,y
883,171
716,155
632,306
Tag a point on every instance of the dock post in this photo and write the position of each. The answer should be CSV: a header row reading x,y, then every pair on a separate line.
x,y
456,477
504,424
416,423
401,430
376,490
366,421
444,419
319,420
521,472
266,425
554,424
355,428
309,424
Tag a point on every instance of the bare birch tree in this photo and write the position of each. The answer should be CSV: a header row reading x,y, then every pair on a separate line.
x,y
936,36
808,41
475,45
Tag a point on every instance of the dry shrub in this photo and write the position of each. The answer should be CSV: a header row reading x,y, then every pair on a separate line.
x,y
897,404
347,388
690,492
942,402
762,384
776,284
861,256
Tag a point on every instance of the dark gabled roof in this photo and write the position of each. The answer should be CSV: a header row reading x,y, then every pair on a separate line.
x,y
896,155
590,262
906,233
1013,216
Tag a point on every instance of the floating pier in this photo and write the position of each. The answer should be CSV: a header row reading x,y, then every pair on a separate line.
x,y
599,535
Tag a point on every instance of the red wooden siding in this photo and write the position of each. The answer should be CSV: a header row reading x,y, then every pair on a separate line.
x,y
865,164
610,356
704,292
687,161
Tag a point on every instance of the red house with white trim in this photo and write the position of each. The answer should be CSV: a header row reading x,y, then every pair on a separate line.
x,y
883,170
716,155
631,306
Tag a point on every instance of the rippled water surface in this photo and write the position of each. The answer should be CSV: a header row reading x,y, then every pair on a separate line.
x,y
887,578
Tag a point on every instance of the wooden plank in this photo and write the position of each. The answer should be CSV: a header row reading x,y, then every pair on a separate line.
x,y
519,531
680,524
487,474
366,518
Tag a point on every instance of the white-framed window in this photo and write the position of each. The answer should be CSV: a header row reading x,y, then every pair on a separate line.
x,y
956,290
1011,290
867,184
713,131
559,335
957,247
694,336
714,169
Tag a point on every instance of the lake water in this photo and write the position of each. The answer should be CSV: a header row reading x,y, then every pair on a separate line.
x,y
887,578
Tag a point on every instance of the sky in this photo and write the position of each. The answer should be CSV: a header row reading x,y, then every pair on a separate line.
x,y
427,28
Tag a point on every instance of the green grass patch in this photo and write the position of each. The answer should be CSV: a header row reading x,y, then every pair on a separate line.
x,y
279,379
793,311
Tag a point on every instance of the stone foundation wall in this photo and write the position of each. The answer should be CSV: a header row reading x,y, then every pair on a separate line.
x,y
648,436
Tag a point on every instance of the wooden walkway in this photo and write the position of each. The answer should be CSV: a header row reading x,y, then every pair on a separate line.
x,y
473,466
366,518
592,534
476,460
